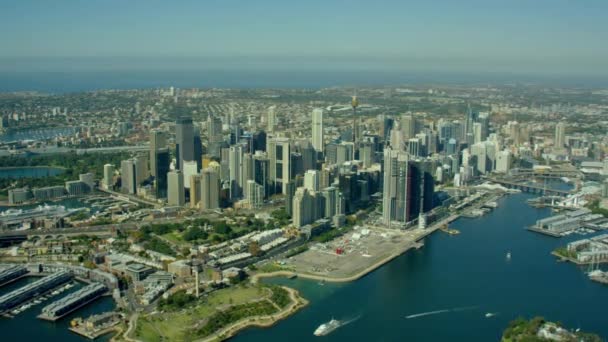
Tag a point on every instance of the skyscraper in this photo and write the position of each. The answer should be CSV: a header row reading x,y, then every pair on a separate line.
x,y
408,187
272,118
311,180
408,126
214,132
176,196
261,166
190,167
503,161
195,190
108,176
141,169
184,141
560,135
210,189
127,176
278,150
302,208
161,170
236,171
158,140
317,130
392,157
255,194
235,131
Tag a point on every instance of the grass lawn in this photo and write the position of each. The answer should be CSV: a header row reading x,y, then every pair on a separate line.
x,y
176,237
173,326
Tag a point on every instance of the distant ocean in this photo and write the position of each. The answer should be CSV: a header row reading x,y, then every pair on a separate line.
x,y
78,81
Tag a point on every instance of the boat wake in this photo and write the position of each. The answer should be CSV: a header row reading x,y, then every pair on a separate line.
x,y
351,319
437,312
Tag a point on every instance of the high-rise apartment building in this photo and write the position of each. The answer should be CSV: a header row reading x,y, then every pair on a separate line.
x,y
176,196
127,176
317,130
560,135
210,189
158,140
271,119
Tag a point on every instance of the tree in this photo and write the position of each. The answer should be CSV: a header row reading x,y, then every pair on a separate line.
x,y
222,228
254,248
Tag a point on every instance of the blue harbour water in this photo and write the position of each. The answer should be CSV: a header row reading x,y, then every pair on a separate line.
x,y
467,274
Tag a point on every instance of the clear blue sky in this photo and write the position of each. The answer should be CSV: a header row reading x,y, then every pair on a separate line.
x,y
505,35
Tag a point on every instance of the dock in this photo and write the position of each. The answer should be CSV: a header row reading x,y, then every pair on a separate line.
x,y
72,302
32,290
11,274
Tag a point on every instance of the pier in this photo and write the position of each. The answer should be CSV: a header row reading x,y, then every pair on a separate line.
x,y
72,302
11,274
30,291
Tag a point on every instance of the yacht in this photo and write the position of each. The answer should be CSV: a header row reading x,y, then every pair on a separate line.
x,y
327,328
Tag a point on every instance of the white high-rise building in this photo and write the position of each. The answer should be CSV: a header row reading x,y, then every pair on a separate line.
x,y
503,161
485,155
108,176
560,135
477,132
175,193
190,168
302,208
317,130
255,194
271,118
311,180
127,176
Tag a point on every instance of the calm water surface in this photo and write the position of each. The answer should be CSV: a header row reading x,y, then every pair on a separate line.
x,y
467,274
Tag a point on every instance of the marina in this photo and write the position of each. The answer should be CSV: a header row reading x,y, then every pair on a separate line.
x,y
72,302
41,287
578,220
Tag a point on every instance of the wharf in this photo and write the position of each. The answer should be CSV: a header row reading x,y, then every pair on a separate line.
x,y
96,325
72,302
20,299
544,231
56,318
92,335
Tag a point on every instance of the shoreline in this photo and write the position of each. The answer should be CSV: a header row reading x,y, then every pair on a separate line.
x,y
298,302
414,244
